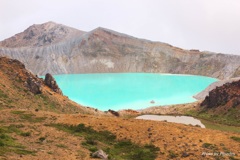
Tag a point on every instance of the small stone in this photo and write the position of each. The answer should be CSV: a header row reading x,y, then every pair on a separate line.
x,y
100,154
185,154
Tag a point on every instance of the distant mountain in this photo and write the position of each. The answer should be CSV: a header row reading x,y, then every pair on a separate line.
x,y
41,35
57,49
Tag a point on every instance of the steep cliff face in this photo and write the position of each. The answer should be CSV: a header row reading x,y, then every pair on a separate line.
x,y
103,50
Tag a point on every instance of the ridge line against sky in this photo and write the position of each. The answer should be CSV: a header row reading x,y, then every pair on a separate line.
x,y
211,25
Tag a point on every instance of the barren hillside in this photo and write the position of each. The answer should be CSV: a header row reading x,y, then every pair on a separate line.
x,y
58,49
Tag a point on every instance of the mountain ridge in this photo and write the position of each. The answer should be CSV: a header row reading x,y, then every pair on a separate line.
x,y
38,35
105,51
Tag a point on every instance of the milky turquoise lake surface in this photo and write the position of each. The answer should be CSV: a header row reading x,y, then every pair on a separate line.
x,y
131,90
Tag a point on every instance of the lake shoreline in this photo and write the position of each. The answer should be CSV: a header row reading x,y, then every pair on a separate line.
x,y
131,90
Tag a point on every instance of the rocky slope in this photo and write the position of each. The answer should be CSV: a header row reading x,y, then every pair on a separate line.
x,y
58,49
41,35
225,95
20,89
221,105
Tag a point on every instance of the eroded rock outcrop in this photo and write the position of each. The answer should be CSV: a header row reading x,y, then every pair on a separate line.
x,y
114,113
227,95
51,83
18,73
34,86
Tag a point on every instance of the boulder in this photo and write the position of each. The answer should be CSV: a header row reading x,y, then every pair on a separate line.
x,y
100,154
51,83
34,86
114,113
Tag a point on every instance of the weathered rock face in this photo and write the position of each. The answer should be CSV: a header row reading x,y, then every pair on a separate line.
x,y
18,71
41,35
34,86
51,83
103,50
226,95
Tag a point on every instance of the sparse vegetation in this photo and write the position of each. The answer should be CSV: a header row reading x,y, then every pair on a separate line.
x,y
29,117
107,141
221,127
8,144
172,154
235,138
25,134
61,145
209,146
226,119
3,95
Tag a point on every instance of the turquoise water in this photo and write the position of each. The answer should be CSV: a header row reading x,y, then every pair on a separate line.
x,y
131,90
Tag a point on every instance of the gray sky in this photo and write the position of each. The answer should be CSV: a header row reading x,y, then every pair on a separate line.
x,y
212,25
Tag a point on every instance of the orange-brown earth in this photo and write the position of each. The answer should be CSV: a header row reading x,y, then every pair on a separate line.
x,y
50,143
167,136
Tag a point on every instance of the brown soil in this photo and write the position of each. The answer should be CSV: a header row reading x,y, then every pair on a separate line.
x,y
167,136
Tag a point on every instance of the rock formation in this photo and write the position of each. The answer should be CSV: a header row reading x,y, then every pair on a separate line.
x,y
114,113
32,83
34,86
51,83
41,35
57,49
227,95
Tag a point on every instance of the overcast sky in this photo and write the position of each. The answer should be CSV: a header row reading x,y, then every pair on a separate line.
x,y
212,25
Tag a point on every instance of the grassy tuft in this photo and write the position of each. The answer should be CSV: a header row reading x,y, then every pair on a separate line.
x,y
29,117
209,146
61,146
172,154
25,134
